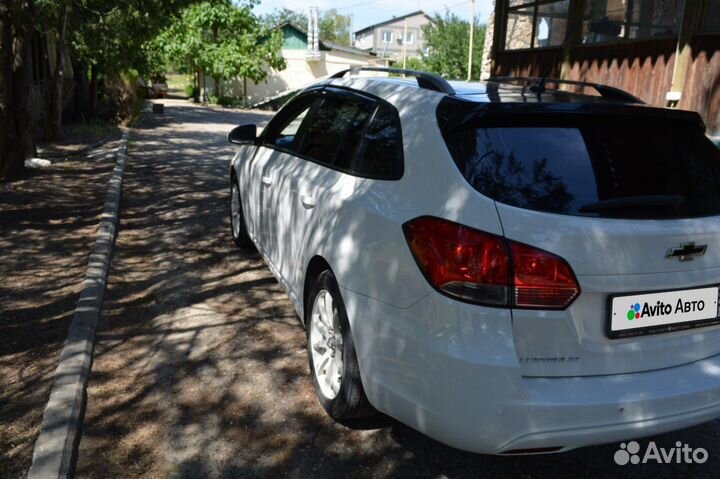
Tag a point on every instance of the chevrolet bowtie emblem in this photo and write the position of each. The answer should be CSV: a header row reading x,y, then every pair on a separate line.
x,y
687,251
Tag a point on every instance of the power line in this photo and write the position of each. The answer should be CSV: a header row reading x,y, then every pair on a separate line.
x,y
430,14
358,5
449,7
443,9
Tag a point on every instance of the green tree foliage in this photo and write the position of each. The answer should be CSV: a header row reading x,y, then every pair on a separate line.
x,y
223,41
334,27
282,15
101,39
448,39
110,34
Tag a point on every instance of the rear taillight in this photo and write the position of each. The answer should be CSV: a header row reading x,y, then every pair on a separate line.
x,y
461,261
541,279
487,269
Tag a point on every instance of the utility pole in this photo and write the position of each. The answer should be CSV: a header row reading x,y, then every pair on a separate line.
x,y
352,22
404,44
470,49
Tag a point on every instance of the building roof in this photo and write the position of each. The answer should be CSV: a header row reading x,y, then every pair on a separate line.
x,y
393,20
326,45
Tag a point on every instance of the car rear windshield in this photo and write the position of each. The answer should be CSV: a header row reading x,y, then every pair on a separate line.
x,y
605,166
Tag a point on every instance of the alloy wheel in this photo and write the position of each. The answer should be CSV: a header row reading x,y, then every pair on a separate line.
x,y
326,343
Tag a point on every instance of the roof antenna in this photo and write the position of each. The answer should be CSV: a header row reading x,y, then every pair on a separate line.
x,y
539,87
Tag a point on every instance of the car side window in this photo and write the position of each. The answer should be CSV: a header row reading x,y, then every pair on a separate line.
x,y
332,136
344,131
381,153
283,133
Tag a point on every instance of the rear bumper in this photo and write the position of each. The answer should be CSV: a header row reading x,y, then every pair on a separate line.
x,y
450,370
576,412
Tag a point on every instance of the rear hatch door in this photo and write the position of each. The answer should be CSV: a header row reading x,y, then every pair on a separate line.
x,y
630,198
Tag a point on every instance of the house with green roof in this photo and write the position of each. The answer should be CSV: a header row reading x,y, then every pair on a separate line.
x,y
306,60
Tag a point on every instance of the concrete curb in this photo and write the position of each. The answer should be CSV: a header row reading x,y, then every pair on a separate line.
x,y
55,450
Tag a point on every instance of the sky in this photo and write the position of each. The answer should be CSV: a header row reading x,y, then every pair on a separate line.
x,y
368,12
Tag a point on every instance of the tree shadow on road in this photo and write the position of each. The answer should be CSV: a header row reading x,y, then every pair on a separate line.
x,y
48,220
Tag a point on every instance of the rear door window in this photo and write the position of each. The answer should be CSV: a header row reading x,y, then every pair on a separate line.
x,y
381,152
333,132
353,133
600,166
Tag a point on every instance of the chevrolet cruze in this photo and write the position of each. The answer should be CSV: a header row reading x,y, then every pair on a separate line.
x,y
509,269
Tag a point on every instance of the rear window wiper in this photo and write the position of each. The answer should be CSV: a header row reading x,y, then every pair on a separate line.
x,y
647,201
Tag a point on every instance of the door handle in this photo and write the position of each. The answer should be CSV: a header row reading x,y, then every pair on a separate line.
x,y
307,201
266,180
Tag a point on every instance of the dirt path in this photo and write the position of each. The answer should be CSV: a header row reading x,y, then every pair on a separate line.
x,y
201,370
48,222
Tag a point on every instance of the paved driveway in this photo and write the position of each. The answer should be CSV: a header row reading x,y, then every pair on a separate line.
x,y
200,369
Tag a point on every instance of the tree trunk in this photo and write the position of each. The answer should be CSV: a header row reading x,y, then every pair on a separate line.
x,y
218,93
93,99
57,82
16,140
245,95
82,88
198,96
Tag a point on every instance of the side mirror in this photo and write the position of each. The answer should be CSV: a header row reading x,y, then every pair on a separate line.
x,y
243,134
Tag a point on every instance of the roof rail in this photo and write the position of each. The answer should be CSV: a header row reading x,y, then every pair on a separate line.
x,y
609,92
430,81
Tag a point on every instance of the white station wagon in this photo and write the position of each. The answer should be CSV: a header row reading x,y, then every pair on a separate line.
x,y
507,269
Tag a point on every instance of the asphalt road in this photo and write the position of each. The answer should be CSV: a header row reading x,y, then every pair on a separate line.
x,y
200,369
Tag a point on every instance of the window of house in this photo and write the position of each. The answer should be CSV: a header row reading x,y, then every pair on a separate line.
x,y
712,17
604,21
387,36
410,38
655,18
618,20
536,24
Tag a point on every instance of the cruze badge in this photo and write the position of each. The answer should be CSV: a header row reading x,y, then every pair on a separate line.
x,y
686,251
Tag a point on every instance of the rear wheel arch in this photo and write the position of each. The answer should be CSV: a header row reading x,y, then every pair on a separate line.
x,y
316,265
349,401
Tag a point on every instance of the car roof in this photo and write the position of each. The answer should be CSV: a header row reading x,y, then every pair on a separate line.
x,y
505,97
480,92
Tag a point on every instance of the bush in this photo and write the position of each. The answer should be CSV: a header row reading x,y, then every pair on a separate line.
x,y
229,101
192,91
225,100
122,97
415,64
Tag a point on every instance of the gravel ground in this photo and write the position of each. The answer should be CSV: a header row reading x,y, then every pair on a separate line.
x,y
48,221
200,369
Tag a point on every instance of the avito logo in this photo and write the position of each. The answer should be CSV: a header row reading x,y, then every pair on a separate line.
x,y
645,310
680,454
634,312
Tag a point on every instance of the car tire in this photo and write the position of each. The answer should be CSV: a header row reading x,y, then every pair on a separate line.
x,y
237,218
337,383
